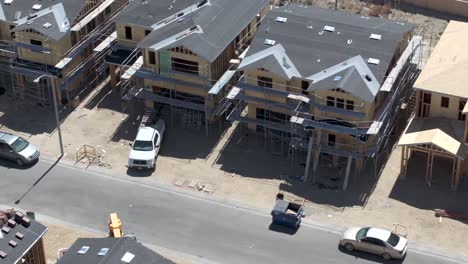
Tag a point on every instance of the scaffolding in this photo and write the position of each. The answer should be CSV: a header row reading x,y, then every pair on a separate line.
x,y
194,111
300,130
85,57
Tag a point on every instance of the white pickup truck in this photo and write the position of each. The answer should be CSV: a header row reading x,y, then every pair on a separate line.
x,y
146,146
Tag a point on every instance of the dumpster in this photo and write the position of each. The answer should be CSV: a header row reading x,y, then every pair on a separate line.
x,y
287,213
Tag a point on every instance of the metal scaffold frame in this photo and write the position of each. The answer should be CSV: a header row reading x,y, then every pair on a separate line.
x,y
399,92
180,102
93,47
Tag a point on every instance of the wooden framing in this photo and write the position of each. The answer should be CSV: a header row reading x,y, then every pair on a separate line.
x,y
431,151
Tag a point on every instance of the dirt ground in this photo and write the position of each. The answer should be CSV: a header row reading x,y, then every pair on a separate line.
x,y
233,165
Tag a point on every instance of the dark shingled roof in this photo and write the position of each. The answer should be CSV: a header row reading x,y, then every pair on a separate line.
x,y
218,22
117,248
311,50
31,235
68,9
145,13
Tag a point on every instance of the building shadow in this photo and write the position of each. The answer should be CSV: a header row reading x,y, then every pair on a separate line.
x,y
180,141
105,98
369,257
28,118
183,143
128,128
415,192
249,156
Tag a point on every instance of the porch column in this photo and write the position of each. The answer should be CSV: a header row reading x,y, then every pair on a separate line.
x,y
456,173
113,79
309,157
404,162
430,160
348,168
317,155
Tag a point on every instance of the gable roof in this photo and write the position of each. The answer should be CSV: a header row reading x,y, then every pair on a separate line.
x,y
31,234
446,70
117,249
273,59
312,49
215,24
443,133
59,14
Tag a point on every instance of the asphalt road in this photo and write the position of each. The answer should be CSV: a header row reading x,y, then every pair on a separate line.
x,y
210,230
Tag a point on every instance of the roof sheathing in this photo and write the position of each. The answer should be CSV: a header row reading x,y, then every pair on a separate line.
x,y
60,14
220,22
446,70
313,49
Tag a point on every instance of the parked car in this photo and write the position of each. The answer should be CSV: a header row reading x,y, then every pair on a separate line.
x,y
376,241
146,146
17,149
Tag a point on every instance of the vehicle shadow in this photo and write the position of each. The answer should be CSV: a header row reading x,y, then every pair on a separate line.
x,y
13,165
140,173
369,257
283,229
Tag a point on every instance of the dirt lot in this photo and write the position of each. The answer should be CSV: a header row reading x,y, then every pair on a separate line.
x,y
233,165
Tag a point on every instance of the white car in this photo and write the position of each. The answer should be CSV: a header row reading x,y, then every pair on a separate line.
x,y
146,146
376,241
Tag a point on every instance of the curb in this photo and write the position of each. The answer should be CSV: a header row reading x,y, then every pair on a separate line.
x,y
239,205
160,250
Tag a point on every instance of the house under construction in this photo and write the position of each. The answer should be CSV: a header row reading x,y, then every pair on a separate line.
x,y
328,83
65,39
439,128
182,52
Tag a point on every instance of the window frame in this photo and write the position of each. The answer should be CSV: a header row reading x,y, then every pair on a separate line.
x,y
128,32
264,81
444,102
152,57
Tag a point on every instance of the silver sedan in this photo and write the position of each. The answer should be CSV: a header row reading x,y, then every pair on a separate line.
x,y
375,241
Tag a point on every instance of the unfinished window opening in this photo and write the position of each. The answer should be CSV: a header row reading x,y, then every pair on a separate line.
x,y
186,66
272,116
427,98
350,105
12,34
36,42
305,86
128,32
265,82
444,102
151,57
461,106
330,101
107,11
340,103
186,97
331,140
